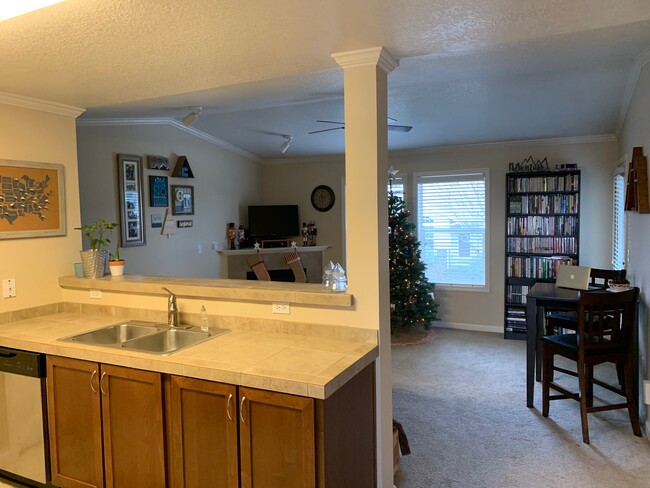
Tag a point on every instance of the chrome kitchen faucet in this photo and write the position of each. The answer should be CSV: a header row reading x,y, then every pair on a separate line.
x,y
172,309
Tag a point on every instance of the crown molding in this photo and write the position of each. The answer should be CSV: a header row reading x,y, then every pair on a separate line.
x,y
104,122
41,105
639,63
374,56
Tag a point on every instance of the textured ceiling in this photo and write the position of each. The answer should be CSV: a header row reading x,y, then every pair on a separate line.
x,y
470,71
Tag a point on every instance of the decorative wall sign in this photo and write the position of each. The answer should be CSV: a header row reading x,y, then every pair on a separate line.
x,y
32,199
183,200
529,164
156,221
183,224
158,162
182,169
158,191
129,172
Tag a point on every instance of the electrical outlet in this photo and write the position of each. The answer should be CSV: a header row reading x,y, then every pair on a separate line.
x,y
95,293
284,308
9,288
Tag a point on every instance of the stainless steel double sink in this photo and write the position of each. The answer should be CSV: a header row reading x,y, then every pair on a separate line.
x,y
146,337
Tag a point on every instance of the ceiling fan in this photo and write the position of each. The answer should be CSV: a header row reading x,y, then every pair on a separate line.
x,y
341,126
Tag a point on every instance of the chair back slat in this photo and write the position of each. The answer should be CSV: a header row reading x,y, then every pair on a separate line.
x,y
600,277
606,320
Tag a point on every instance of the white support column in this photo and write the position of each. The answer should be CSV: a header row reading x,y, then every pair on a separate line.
x,y
366,154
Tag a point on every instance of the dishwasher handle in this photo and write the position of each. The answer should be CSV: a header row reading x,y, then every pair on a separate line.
x,y
8,354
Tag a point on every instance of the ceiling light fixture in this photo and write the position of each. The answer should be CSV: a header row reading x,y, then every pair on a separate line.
x,y
190,118
9,10
286,143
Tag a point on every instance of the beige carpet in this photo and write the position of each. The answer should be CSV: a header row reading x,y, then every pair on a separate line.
x,y
461,400
411,336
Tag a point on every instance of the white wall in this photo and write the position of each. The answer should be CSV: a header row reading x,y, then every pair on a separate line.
x,y
224,185
595,159
636,132
293,182
37,263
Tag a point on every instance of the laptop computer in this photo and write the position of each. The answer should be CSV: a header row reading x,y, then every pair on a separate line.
x,y
575,277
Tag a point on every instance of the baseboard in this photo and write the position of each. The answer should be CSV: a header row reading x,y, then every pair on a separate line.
x,y
475,327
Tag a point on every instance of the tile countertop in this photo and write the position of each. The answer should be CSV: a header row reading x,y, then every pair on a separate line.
x,y
289,363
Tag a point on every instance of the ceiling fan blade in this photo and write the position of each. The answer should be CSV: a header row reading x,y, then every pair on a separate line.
x,y
331,122
325,130
399,128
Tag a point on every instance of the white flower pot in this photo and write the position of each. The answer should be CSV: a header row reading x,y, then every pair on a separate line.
x,y
116,267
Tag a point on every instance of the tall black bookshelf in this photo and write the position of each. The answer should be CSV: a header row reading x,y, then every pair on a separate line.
x,y
542,232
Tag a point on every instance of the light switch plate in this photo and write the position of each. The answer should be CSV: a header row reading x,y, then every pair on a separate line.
x,y
646,392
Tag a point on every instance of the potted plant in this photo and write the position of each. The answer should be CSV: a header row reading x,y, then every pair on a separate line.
x,y
94,259
115,263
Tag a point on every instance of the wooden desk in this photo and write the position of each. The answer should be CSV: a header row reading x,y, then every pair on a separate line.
x,y
540,296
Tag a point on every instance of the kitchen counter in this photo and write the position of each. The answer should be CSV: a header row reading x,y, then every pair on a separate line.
x,y
308,365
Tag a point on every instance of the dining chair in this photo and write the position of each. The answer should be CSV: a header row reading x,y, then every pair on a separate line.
x,y
568,319
604,334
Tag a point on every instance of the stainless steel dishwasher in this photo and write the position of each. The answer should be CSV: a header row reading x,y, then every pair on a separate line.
x,y
24,454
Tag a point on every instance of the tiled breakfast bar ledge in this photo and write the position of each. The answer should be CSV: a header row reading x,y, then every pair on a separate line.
x,y
241,290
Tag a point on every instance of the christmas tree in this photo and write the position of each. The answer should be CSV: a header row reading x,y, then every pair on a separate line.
x,y
411,294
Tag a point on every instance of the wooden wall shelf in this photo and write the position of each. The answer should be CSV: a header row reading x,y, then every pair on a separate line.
x,y
636,194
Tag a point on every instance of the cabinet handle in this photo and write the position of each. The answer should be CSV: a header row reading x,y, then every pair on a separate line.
x,y
241,409
91,381
101,383
228,406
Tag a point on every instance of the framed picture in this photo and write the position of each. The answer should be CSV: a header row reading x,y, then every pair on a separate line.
x,y
183,200
158,191
129,172
32,199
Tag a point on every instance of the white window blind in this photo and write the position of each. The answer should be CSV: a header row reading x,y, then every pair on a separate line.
x,y
618,223
452,227
398,187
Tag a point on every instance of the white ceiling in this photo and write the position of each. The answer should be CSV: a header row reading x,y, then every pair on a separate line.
x,y
470,71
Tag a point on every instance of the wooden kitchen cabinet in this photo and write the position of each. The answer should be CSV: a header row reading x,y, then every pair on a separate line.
x,y
106,425
75,423
285,441
203,433
277,440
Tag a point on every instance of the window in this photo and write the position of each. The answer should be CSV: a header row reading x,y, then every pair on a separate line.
x,y
451,223
397,186
618,223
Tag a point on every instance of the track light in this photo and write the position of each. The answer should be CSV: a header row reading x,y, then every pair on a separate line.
x,y
285,145
190,118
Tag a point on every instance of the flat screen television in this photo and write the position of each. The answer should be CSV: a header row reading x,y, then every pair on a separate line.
x,y
273,221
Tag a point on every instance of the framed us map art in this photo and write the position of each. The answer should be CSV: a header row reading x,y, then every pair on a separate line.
x,y
32,199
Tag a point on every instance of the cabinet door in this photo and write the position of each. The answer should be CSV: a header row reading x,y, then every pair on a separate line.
x,y
75,428
203,434
277,443
132,419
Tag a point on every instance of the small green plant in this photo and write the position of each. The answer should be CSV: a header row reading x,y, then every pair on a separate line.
x,y
116,255
99,233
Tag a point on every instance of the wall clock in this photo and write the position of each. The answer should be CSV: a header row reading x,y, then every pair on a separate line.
x,y
322,198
